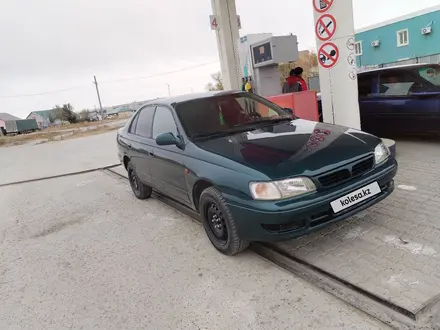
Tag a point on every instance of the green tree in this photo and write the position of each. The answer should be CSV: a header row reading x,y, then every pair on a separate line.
x,y
83,115
217,85
65,113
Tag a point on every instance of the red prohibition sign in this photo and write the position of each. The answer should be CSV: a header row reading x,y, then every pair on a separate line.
x,y
321,6
325,27
328,55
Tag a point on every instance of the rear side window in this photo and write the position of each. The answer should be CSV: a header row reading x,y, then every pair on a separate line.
x,y
164,122
143,125
132,129
431,74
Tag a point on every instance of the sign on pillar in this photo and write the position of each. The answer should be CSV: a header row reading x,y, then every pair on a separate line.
x,y
328,55
334,31
325,27
214,23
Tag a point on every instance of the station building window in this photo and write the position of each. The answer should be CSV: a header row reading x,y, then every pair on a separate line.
x,y
358,48
402,38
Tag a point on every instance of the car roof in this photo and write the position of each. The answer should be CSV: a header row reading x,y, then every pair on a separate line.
x,y
399,67
173,100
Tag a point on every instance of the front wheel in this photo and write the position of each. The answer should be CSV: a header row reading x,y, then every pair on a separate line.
x,y
219,224
140,190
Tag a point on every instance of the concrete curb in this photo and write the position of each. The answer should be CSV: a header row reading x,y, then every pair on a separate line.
x,y
60,175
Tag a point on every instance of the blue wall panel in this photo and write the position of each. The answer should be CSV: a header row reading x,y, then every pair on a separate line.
x,y
388,51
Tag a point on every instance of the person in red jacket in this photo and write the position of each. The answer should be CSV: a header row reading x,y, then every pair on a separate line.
x,y
295,83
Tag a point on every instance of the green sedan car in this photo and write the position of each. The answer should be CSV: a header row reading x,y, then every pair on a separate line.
x,y
251,169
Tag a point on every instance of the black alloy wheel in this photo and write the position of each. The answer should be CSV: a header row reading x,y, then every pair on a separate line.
x,y
140,190
134,182
219,223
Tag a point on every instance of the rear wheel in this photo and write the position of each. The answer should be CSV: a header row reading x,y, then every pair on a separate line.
x,y
140,190
219,224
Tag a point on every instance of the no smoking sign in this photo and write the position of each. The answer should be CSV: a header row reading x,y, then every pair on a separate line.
x,y
321,6
325,27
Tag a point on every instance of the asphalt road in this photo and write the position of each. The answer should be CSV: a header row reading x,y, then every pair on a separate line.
x,y
81,252
27,162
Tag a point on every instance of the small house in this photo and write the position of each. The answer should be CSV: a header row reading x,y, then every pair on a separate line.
x,y
44,118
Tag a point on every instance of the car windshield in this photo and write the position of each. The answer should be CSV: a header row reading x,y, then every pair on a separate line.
x,y
226,114
431,74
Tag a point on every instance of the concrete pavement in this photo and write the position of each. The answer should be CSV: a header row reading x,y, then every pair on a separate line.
x,y
27,162
81,252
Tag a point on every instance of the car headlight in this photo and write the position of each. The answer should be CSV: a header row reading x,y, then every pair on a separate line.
x,y
281,189
381,153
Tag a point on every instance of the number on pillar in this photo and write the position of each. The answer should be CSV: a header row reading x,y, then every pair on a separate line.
x,y
213,20
239,22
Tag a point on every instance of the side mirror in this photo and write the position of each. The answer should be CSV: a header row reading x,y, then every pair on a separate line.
x,y
289,110
166,139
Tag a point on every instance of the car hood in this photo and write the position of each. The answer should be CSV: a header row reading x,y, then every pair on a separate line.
x,y
298,147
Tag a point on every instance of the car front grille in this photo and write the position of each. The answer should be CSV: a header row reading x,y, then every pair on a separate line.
x,y
350,171
362,167
334,177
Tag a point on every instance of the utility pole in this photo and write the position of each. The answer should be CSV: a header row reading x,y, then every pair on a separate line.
x,y
169,89
99,97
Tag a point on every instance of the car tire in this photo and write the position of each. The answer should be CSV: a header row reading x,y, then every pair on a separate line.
x,y
219,223
140,190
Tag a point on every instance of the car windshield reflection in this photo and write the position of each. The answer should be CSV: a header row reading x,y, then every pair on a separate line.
x,y
228,114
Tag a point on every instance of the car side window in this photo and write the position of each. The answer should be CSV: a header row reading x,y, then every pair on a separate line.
x,y
164,122
431,74
398,84
132,129
143,125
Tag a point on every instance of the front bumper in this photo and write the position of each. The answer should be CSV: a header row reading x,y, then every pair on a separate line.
x,y
272,221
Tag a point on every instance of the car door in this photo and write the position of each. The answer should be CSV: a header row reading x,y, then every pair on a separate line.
x,y
373,118
425,94
142,144
167,167
392,106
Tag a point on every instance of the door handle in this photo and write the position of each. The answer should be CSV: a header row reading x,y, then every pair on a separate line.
x,y
129,146
151,153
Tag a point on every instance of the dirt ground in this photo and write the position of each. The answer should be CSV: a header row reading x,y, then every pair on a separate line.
x,y
64,132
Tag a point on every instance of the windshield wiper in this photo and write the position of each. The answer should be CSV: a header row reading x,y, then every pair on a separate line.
x,y
276,120
265,121
271,121
222,133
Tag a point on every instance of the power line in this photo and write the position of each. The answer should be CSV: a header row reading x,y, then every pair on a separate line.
x,y
160,74
108,81
42,93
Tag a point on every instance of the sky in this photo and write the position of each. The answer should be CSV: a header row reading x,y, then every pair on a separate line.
x,y
53,48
